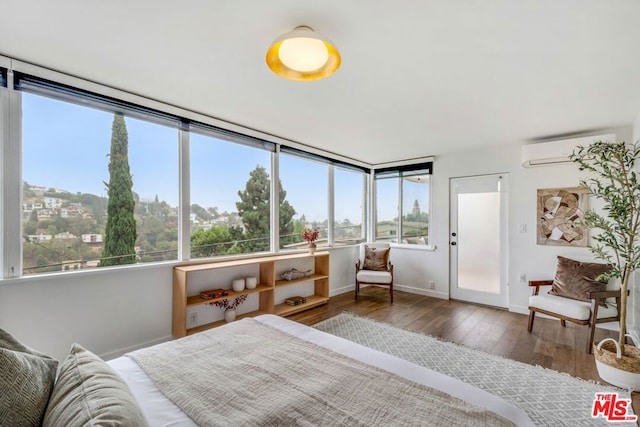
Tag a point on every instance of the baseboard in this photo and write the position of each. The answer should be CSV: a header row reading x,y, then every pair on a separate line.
x,y
519,309
403,288
120,352
420,291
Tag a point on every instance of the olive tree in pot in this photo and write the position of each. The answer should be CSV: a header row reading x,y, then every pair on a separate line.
x,y
614,180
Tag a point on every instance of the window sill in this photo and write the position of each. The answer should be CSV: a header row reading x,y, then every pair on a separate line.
x,y
412,247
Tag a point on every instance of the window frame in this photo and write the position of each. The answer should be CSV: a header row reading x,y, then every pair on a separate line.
x,y
82,99
139,107
400,172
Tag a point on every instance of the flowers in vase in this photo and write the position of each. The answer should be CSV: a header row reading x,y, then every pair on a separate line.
x,y
229,304
310,235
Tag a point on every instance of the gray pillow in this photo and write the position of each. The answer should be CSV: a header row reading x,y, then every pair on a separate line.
x,y
26,380
88,392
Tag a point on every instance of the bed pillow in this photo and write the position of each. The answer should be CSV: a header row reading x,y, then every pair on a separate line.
x,y
375,259
88,392
575,279
26,380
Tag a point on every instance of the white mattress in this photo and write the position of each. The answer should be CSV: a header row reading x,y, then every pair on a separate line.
x,y
161,412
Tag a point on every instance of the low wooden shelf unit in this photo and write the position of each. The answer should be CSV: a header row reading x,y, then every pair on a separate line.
x,y
266,288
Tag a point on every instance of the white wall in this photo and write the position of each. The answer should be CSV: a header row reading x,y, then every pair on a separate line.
x,y
109,311
119,309
415,268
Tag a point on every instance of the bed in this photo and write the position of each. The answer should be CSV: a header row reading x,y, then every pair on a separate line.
x,y
265,371
374,387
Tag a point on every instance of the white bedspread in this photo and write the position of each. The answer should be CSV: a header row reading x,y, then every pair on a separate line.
x,y
162,412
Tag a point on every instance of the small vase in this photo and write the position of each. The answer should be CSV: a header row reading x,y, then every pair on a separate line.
x,y
312,248
230,315
251,282
238,285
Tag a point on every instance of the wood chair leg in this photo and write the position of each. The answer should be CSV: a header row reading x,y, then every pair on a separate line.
x,y
532,316
391,292
357,289
563,323
592,331
592,324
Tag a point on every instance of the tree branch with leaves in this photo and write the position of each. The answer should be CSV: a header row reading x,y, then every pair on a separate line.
x,y
613,179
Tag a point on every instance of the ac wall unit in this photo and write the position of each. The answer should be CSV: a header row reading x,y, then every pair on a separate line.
x,y
557,152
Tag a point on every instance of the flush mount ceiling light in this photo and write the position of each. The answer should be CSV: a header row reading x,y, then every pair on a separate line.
x,y
303,55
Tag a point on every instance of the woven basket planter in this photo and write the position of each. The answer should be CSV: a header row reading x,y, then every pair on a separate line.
x,y
619,371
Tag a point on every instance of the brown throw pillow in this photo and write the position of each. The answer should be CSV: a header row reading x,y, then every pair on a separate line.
x,y
575,279
375,259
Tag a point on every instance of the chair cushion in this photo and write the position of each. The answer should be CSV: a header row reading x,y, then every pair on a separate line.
x,y
575,279
26,381
375,259
368,276
568,307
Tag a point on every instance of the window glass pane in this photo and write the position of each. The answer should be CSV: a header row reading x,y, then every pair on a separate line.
x,y
66,157
415,209
303,200
230,197
387,210
349,188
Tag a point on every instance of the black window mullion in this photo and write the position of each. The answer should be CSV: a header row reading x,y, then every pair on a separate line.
x,y
39,86
322,159
227,135
404,170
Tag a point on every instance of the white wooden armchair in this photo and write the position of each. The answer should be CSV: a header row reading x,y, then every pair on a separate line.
x,y
374,267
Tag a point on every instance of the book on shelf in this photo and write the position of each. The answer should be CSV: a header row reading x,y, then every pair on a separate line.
x,y
295,300
214,293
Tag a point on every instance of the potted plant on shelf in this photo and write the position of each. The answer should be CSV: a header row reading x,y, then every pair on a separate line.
x,y
615,181
310,235
229,307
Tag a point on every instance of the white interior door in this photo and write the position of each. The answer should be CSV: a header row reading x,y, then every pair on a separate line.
x,y
478,239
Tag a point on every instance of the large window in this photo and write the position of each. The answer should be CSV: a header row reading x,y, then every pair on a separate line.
x,y
99,181
402,204
303,200
349,206
77,158
230,197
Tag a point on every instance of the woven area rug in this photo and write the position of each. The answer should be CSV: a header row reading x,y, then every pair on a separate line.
x,y
549,397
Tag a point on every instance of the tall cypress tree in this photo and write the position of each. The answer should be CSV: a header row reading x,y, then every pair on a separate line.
x,y
120,232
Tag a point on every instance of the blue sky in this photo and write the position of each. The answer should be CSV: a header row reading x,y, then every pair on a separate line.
x,y
66,146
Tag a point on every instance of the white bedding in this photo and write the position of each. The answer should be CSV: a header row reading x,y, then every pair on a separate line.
x,y
160,411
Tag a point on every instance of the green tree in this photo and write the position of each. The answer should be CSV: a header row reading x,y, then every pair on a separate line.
x,y
614,181
211,242
254,210
120,232
200,212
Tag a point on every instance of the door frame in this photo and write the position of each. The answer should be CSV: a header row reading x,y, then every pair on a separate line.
x,y
500,300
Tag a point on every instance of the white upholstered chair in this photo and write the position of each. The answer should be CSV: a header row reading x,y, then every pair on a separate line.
x,y
382,274
598,306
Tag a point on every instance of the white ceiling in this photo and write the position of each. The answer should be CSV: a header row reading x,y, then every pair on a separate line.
x,y
418,78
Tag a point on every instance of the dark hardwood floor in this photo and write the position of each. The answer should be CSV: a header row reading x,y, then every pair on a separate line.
x,y
483,328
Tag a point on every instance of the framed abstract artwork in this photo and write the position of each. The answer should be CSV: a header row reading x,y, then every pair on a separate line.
x,y
559,213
